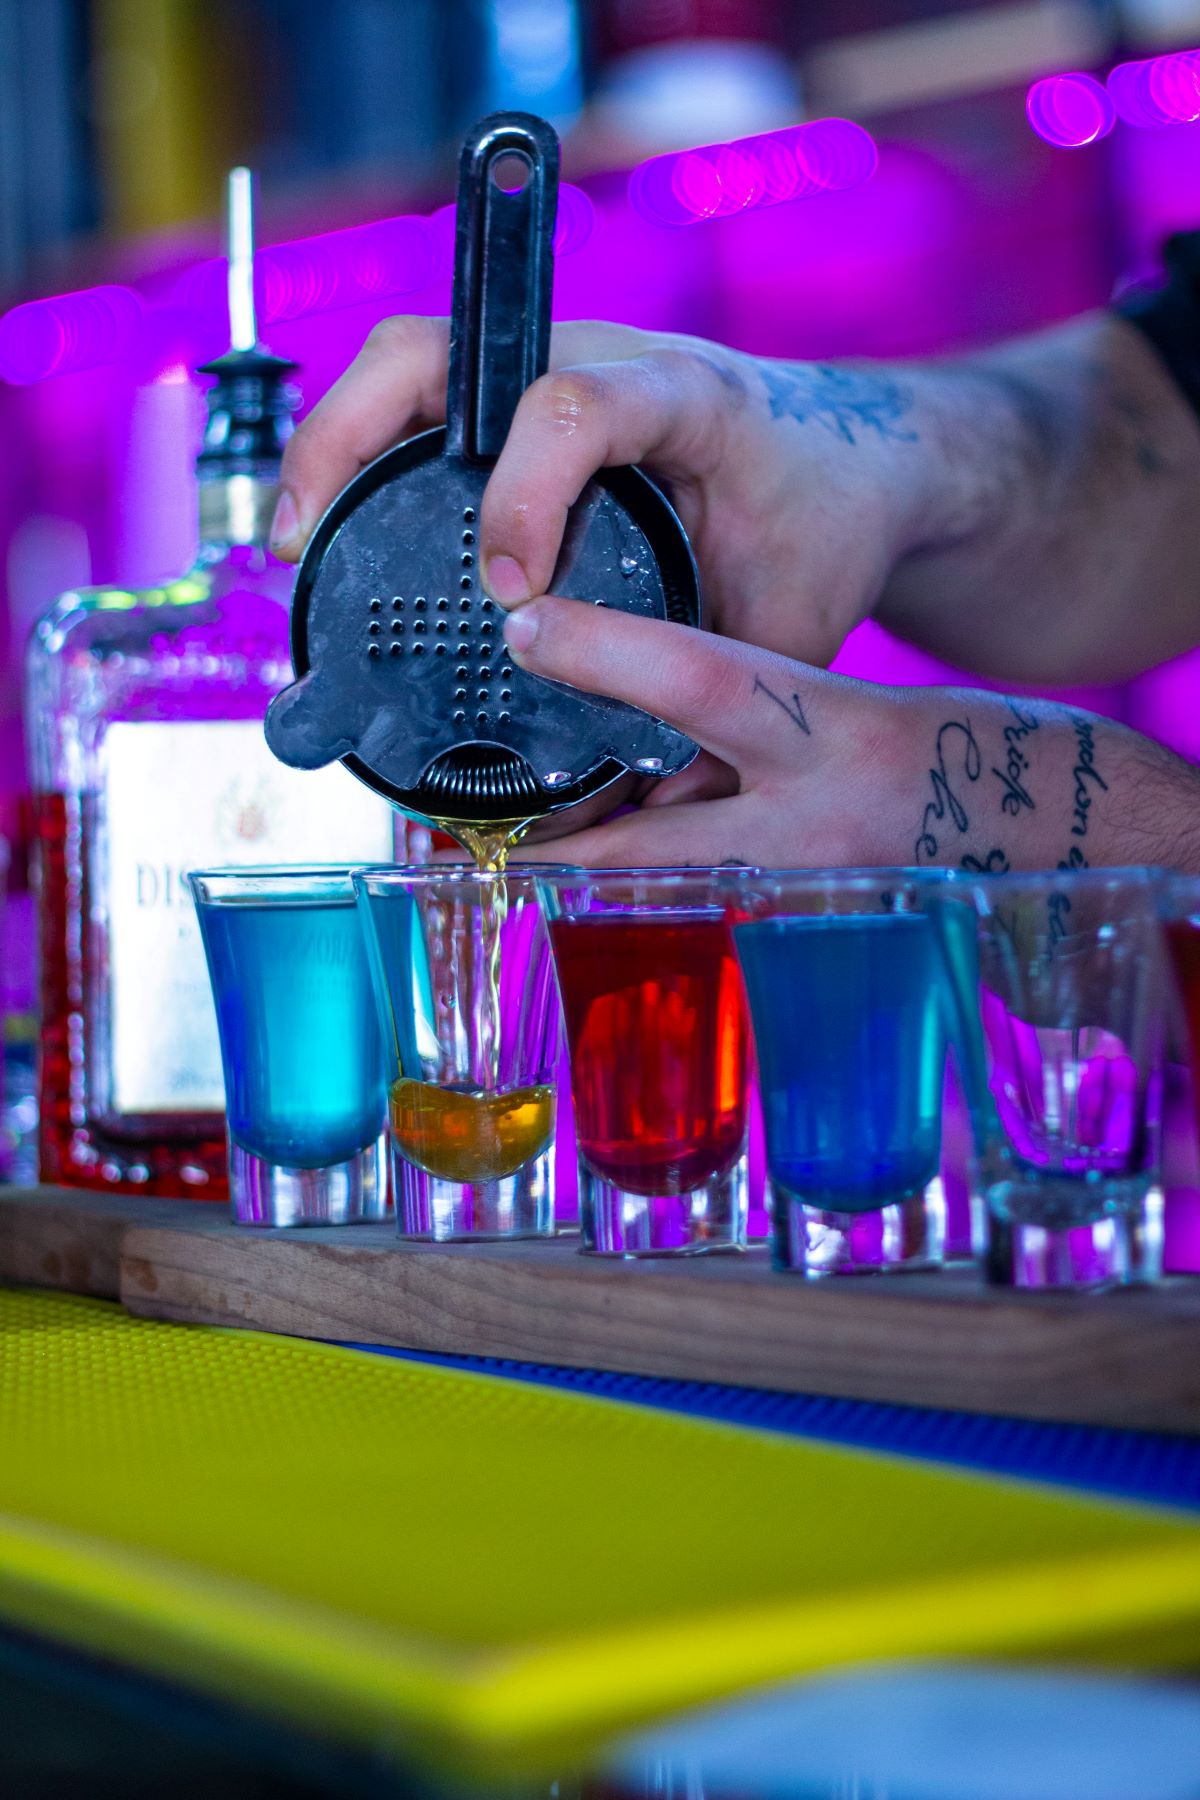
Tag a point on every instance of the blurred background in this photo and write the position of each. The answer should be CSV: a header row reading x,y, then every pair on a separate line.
x,y
118,119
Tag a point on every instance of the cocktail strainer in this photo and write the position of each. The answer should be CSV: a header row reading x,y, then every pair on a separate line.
x,y
399,654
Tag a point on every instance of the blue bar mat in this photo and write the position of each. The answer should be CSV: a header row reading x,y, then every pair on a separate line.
x,y
1135,1465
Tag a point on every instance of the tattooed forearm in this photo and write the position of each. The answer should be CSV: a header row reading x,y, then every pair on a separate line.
x,y
793,709
945,803
842,401
1099,794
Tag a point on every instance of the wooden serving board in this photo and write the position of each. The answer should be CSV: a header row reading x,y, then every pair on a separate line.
x,y
944,1340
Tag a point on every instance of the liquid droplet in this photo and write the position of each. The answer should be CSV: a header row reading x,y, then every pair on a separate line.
x,y
629,565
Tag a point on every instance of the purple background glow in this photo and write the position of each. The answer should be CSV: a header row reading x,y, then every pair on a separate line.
x,y
946,245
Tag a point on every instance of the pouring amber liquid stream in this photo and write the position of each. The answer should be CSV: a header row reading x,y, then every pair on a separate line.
x,y
465,1133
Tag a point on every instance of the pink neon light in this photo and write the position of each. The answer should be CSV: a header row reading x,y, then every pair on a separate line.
x,y
1070,110
1162,90
68,332
715,181
573,226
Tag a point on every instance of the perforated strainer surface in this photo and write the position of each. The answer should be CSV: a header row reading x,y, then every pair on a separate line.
x,y
390,1545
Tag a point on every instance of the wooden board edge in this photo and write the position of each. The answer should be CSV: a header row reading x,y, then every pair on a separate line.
x,y
1086,1366
67,1239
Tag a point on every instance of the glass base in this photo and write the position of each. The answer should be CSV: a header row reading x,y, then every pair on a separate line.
x,y
908,1234
966,1221
345,1193
615,1222
1115,1246
445,1212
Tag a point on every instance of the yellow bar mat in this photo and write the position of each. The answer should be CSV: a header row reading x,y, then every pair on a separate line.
x,y
500,1572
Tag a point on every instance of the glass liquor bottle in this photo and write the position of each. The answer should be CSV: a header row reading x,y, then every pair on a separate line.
x,y
145,710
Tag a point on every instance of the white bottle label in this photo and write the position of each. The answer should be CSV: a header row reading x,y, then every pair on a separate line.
x,y
192,795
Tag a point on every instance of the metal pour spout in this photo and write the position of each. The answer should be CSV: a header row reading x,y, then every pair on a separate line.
x,y
250,405
239,252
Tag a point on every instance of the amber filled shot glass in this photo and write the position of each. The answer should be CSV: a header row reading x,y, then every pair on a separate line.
x,y
470,1017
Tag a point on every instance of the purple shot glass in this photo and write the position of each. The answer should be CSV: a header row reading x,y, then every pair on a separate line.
x,y
1073,1005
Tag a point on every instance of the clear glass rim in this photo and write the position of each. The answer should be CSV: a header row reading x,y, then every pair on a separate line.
x,y
567,874
380,877
852,879
1141,875
272,880
282,871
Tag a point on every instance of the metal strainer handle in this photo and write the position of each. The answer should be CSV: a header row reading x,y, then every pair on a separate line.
x,y
503,278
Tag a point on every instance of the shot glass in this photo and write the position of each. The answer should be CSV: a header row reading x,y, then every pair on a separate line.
x,y
1073,1000
967,1108
658,1039
848,999
471,1025
1179,909
301,1051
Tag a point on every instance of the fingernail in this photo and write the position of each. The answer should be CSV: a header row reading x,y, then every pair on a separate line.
x,y
286,523
520,630
505,580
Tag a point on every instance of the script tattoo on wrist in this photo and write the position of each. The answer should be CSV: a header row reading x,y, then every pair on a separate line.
x,y
1016,762
842,401
945,802
793,709
994,863
1083,773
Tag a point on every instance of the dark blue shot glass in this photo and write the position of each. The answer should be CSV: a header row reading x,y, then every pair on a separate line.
x,y
849,1002
305,1090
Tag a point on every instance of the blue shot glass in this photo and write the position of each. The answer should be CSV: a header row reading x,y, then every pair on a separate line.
x,y
305,1089
848,1000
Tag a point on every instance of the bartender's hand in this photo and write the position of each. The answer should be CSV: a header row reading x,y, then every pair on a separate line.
x,y
803,769
1031,512
800,486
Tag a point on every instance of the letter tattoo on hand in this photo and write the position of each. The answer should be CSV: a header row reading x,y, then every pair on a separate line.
x,y
1012,776
994,863
795,711
945,803
1084,771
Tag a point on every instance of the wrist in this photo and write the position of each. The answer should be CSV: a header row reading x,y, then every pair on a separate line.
x,y
962,482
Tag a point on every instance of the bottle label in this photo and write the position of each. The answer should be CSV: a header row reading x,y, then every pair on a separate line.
x,y
193,795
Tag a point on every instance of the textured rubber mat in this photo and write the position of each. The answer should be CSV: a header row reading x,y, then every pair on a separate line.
x,y
500,1569
1131,1465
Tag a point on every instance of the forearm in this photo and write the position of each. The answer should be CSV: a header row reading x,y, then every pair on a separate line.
x,y
999,783
1055,532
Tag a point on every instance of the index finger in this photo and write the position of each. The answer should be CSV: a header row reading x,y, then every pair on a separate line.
x,y
743,704
396,385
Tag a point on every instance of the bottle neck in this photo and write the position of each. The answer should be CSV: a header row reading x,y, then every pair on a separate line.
x,y
237,509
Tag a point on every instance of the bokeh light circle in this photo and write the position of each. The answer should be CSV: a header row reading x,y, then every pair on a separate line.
x,y
837,153
718,180
67,333
696,184
1161,90
575,221
1070,111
